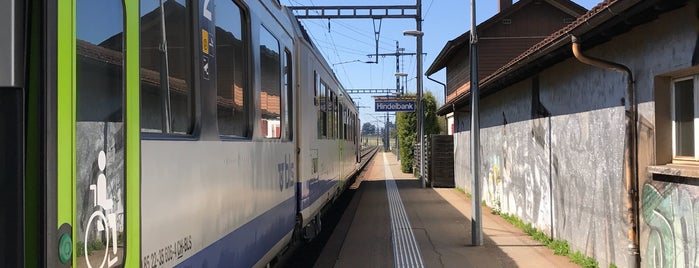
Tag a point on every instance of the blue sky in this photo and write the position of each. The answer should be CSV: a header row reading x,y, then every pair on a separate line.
x,y
346,42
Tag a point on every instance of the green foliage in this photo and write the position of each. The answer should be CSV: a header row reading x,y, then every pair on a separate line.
x,y
80,248
585,262
559,247
468,195
611,265
368,129
431,122
406,122
91,246
442,122
95,245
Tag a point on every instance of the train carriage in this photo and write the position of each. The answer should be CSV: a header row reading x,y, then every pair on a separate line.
x,y
160,133
331,143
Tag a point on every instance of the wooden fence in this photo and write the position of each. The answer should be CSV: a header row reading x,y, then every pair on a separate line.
x,y
439,160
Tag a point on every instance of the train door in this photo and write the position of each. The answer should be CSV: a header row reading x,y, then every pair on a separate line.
x,y
98,133
12,133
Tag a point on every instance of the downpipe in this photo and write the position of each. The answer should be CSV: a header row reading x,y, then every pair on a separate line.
x,y
630,148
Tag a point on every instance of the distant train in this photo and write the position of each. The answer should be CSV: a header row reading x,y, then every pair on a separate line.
x,y
160,133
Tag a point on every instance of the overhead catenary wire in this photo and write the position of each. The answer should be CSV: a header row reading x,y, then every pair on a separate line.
x,y
336,33
347,26
344,70
366,42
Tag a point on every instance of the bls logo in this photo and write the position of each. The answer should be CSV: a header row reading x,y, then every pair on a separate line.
x,y
286,174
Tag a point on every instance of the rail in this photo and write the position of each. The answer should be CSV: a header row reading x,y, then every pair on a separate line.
x,y
368,150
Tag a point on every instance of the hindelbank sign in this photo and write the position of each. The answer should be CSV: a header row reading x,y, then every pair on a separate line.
x,y
394,106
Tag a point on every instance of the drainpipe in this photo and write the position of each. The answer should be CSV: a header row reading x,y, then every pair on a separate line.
x,y
630,148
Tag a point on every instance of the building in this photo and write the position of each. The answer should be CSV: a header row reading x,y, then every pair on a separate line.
x,y
514,29
601,153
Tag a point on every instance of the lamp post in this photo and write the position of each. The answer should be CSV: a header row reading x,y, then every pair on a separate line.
x,y
421,116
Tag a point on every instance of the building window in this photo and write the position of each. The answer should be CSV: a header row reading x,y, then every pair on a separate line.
x,y
232,87
684,117
271,101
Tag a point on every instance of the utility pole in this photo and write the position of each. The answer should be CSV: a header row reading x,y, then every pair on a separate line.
x,y
477,219
420,104
399,92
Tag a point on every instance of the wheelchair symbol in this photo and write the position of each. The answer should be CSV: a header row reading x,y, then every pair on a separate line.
x,y
106,224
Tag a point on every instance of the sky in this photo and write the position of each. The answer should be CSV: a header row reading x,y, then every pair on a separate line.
x,y
345,44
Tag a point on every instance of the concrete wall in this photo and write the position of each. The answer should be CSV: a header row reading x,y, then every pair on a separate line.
x,y
564,172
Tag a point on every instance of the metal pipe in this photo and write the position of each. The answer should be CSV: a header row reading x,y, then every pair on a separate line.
x,y
630,147
443,85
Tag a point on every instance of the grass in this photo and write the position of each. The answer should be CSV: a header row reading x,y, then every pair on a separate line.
x,y
559,247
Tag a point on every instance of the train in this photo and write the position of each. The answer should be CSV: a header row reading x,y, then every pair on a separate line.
x,y
165,133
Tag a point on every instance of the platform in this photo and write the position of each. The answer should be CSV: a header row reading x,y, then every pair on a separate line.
x,y
392,222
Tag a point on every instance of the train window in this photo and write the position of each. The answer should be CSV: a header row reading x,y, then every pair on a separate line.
x,y
316,85
330,107
340,120
334,116
232,85
289,87
343,128
271,101
322,115
166,81
99,131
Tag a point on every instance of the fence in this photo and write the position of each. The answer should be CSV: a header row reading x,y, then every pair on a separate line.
x,y
439,160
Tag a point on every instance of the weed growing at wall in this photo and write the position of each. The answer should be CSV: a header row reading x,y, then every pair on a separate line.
x,y
559,247
468,195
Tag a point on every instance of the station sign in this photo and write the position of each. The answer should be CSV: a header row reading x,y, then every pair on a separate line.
x,y
393,104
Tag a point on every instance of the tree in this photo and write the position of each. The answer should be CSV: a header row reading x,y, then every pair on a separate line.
x,y
442,125
407,129
368,129
431,122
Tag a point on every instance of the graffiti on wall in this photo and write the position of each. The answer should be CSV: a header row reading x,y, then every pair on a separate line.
x,y
671,213
494,185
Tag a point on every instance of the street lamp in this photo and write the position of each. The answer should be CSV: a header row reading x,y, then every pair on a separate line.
x,y
418,34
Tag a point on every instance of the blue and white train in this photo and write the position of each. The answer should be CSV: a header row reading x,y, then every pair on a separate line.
x,y
239,189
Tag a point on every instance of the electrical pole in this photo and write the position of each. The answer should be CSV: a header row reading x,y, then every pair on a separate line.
x,y
421,115
477,218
